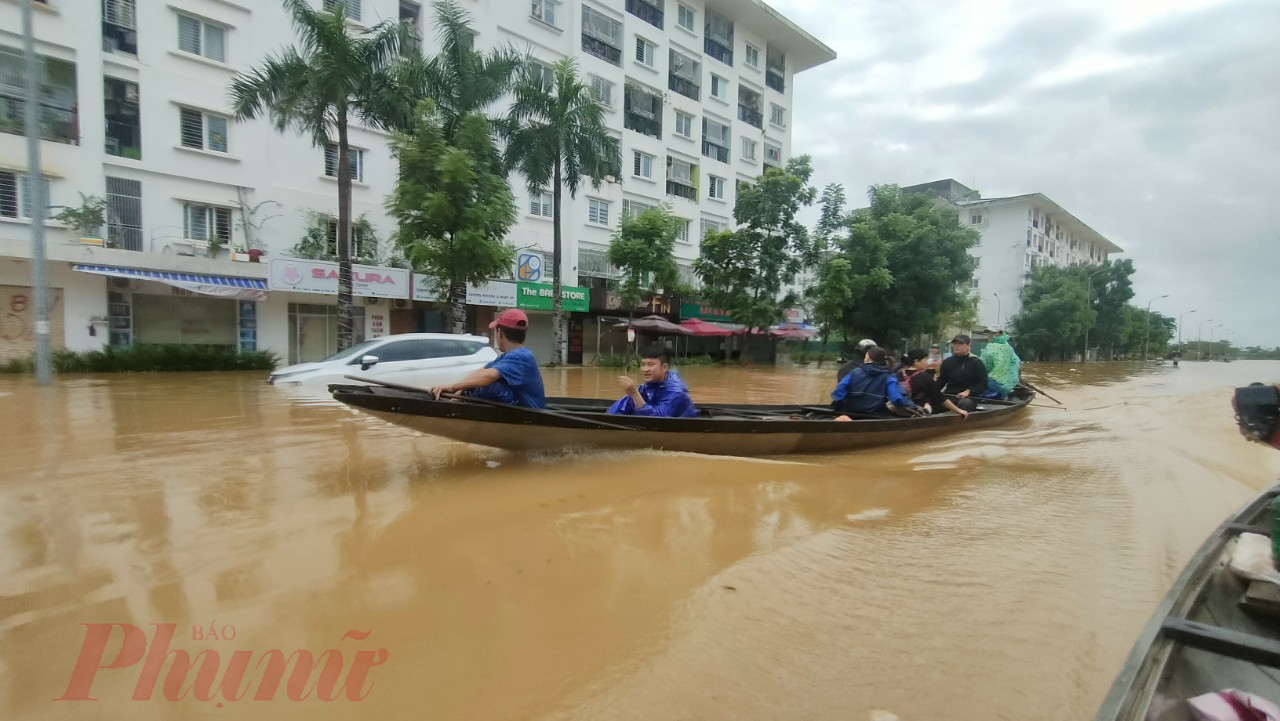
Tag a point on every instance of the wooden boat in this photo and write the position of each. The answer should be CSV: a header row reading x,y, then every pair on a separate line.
x,y
738,430
1203,637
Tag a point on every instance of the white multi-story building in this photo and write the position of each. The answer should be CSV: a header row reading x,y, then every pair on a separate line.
x,y
135,110
1019,233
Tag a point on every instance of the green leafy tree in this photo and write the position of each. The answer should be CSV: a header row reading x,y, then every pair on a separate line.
x,y
1110,292
558,141
453,203
334,73
923,253
643,249
1054,316
744,272
832,220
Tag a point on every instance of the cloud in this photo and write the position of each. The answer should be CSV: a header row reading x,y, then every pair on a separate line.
x,y
1153,123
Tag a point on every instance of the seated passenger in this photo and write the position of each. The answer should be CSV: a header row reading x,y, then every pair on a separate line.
x,y
920,386
871,390
513,377
859,353
963,375
1003,366
663,393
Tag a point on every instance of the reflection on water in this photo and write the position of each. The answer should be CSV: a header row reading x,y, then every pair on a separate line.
x,y
971,578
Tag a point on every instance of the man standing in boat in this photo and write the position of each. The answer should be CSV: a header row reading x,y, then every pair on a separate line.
x,y
663,393
513,377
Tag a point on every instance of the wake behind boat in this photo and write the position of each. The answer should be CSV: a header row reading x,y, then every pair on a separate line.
x,y
735,430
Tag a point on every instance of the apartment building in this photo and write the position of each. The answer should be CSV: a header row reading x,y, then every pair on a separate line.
x,y
203,212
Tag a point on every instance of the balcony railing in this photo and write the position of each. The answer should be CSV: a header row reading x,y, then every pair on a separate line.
x,y
751,115
684,86
119,38
599,48
775,81
680,190
124,237
645,11
715,151
720,52
645,126
124,139
56,124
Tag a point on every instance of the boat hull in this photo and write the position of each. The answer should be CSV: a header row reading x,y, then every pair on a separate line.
x,y
730,430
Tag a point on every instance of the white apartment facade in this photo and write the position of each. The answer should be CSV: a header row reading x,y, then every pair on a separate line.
x,y
135,110
1018,233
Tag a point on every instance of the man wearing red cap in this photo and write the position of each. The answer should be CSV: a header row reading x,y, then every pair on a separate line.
x,y
512,377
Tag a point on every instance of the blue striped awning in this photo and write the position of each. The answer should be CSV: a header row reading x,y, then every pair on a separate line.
x,y
217,285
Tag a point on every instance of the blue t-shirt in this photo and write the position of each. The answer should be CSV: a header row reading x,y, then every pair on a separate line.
x,y
520,381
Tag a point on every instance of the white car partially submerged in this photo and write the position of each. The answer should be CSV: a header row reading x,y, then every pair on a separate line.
x,y
417,359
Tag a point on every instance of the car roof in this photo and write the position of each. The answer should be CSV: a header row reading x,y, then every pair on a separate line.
x,y
432,336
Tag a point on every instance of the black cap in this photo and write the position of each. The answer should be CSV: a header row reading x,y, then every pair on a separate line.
x,y
914,355
962,339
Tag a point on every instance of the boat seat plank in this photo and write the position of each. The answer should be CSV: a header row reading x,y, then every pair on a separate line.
x,y
1262,529
1224,641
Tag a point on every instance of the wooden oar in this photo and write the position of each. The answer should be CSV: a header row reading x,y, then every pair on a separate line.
x,y
1037,390
486,402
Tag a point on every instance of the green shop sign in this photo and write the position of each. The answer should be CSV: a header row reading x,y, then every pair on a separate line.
x,y
702,311
538,296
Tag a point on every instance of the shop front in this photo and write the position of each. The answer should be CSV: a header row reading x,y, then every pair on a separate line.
x,y
606,325
537,300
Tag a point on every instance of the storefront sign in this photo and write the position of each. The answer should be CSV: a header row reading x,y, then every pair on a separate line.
x,y
318,276
698,309
529,267
425,289
538,296
375,323
498,295
610,301
793,315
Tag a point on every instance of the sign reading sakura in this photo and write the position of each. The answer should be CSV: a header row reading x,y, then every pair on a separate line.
x,y
318,276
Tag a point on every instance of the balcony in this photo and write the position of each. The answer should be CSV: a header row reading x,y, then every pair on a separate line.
x,y
775,70
595,46
718,50
118,38
680,190
124,139
775,81
715,151
646,11
643,125
751,116
684,86
58,125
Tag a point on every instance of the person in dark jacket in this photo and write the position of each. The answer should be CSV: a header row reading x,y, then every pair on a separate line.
x,y
963,375
859,355
662,394
871,390
919,385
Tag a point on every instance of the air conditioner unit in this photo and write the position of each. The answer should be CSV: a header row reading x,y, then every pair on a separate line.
x,y
402,303
372,301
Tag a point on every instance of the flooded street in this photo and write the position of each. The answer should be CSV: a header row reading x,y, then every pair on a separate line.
x,y
997,574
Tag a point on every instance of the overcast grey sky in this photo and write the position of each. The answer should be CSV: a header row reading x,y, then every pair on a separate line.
x,y
1157,123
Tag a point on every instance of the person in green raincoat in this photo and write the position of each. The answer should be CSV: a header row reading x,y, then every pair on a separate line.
x,y
1003,365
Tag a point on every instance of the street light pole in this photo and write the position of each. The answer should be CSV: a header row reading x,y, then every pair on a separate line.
x,y
1147,334
1180,316
39,203
1200,337
1088,304
999,313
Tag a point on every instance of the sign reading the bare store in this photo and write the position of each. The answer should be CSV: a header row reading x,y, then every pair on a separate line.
x,y
318,276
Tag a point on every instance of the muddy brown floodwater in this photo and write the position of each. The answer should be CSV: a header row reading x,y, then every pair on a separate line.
x,y
997,574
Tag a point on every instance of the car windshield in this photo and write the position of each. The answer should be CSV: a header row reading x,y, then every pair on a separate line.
x,y
353,350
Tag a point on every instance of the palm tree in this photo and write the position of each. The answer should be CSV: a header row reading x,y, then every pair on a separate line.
x,y
558,138
316,87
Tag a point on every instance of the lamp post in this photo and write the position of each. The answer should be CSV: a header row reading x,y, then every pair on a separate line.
x,y
1199,337
39,203
999,314
1180,316
1088,304
1147,334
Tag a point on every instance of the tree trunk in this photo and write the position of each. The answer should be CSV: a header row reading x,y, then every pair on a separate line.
x,y
458,307
557,319
823,350
346,335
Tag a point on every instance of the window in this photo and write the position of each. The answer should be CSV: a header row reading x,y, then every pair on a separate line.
x,y
718,42
975,218
642,165
681,176
684,76
632,208
684,124
715,140
539,71
973,284
58,99
715,187
124,125
719,87
597,211
752,57
540,204
544,11
1028,235
772,154
749,149
355,156
649,11
977,263
203,131
601,36
712,226
124,213
643,110
15,195
201,38
645,51
687,18
351,7
775,76
602,91
206,222
120,26
777,115
682,230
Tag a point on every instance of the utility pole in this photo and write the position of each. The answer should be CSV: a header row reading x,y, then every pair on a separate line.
x,y
1147,334
39,203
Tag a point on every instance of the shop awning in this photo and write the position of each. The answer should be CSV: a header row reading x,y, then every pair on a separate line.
x,y
221,286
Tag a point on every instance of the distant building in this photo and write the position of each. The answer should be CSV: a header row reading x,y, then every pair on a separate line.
x,y
1019,233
